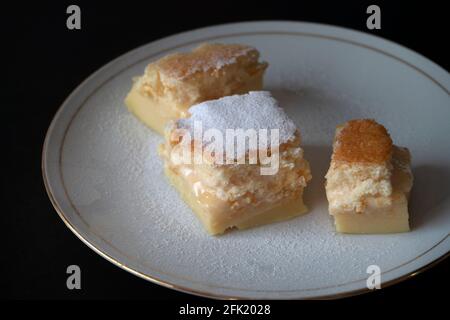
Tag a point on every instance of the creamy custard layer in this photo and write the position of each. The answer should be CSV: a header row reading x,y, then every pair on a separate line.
x,y
152,113
216,215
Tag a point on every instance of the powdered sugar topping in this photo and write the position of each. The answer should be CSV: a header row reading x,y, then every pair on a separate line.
x,y
255,110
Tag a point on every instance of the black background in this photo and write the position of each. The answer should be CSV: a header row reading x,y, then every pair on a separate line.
x,y
45,62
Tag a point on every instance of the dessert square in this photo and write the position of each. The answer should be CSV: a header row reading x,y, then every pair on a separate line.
x,y
369,180
174,83
235,185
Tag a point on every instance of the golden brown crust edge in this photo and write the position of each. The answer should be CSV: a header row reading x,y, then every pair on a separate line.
x,y
362,141
207,57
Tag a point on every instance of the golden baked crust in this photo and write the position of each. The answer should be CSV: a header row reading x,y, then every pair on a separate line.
x,y
208,57
209,72
363,141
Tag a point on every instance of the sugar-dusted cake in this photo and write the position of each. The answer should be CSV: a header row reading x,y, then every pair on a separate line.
x,y
174,83
230,184
369,180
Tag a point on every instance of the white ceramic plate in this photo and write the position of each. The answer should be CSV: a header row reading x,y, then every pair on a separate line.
x,y
105,179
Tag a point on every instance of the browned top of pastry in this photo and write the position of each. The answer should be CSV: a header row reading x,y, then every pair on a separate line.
x,y
206,58
362,141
